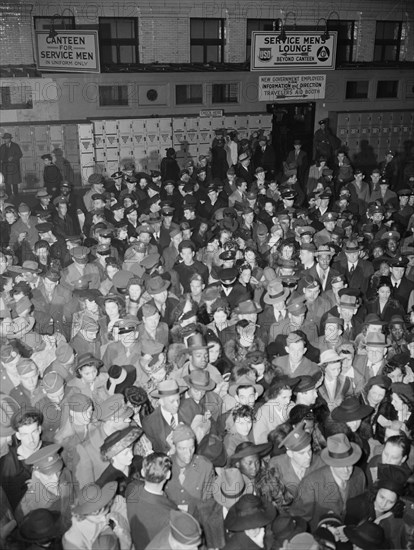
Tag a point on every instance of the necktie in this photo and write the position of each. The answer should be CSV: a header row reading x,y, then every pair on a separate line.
x,y
181,476
351,271
173,423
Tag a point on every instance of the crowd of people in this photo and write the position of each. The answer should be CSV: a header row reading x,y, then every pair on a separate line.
x,y
214,356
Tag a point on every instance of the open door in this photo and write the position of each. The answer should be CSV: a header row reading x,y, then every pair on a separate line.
x,y
292,121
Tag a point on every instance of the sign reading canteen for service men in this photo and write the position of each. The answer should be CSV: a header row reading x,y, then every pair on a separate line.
x,y
288,87
300,50
72,51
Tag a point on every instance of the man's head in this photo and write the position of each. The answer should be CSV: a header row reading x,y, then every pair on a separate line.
x,y
156,468
295,347
28,427
184,440
396,450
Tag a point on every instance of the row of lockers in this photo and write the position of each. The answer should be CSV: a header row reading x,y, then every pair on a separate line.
x,y
107,143
381,118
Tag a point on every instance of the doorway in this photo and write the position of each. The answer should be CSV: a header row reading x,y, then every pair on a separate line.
x,y
292,121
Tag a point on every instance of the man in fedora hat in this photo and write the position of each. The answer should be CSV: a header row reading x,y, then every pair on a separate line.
x,y
322,270
192,475
373,361
274,312
10,155
199,359
160,423
316,303
329,487
247,520
157,287
200,399
357,271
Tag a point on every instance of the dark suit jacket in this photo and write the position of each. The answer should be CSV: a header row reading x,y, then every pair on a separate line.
x,y
238,294
157,430
331,274
240,541
402,293
361,276
318,494
392,307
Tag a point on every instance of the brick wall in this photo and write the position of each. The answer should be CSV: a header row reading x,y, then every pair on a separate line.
x,y
164,30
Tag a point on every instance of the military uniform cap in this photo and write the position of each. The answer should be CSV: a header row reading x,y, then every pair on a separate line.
x,y
404,192
150,261
52,382
329,217
126,325
305,230
26,367
60,200
121,278
117,175
104,232
228,255
296,440
145,228
376,209
310,247
98,197
46,460
338,279
52,275
400,261
297,306
117,206
310,282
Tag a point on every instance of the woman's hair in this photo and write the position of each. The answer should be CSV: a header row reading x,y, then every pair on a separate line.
x,y
78,373
243,411
277,435
220,303
390,367
276,390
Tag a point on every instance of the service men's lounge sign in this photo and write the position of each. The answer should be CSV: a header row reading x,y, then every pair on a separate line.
x,y
68,51
307,50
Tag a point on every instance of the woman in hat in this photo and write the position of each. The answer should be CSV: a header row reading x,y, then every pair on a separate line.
x,y
88,380
381,504
89,307
383,304
402,401
376,395
96,523
220,314
247,520
334,387
39,529
119,450
246,341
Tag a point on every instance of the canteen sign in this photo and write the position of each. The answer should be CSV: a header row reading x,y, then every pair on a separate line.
x,y
69,51
288,87
300,50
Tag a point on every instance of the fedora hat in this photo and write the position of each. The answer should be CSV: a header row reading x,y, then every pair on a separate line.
x,y
366,535
92,498
373,319
275,292
340,452
324,249
230,486
167,388
28,266
249,512
329,356
352,246
197,341
156,285
245,381
40,526
246,307
247,448
351,409
375,339
200,380
396,320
